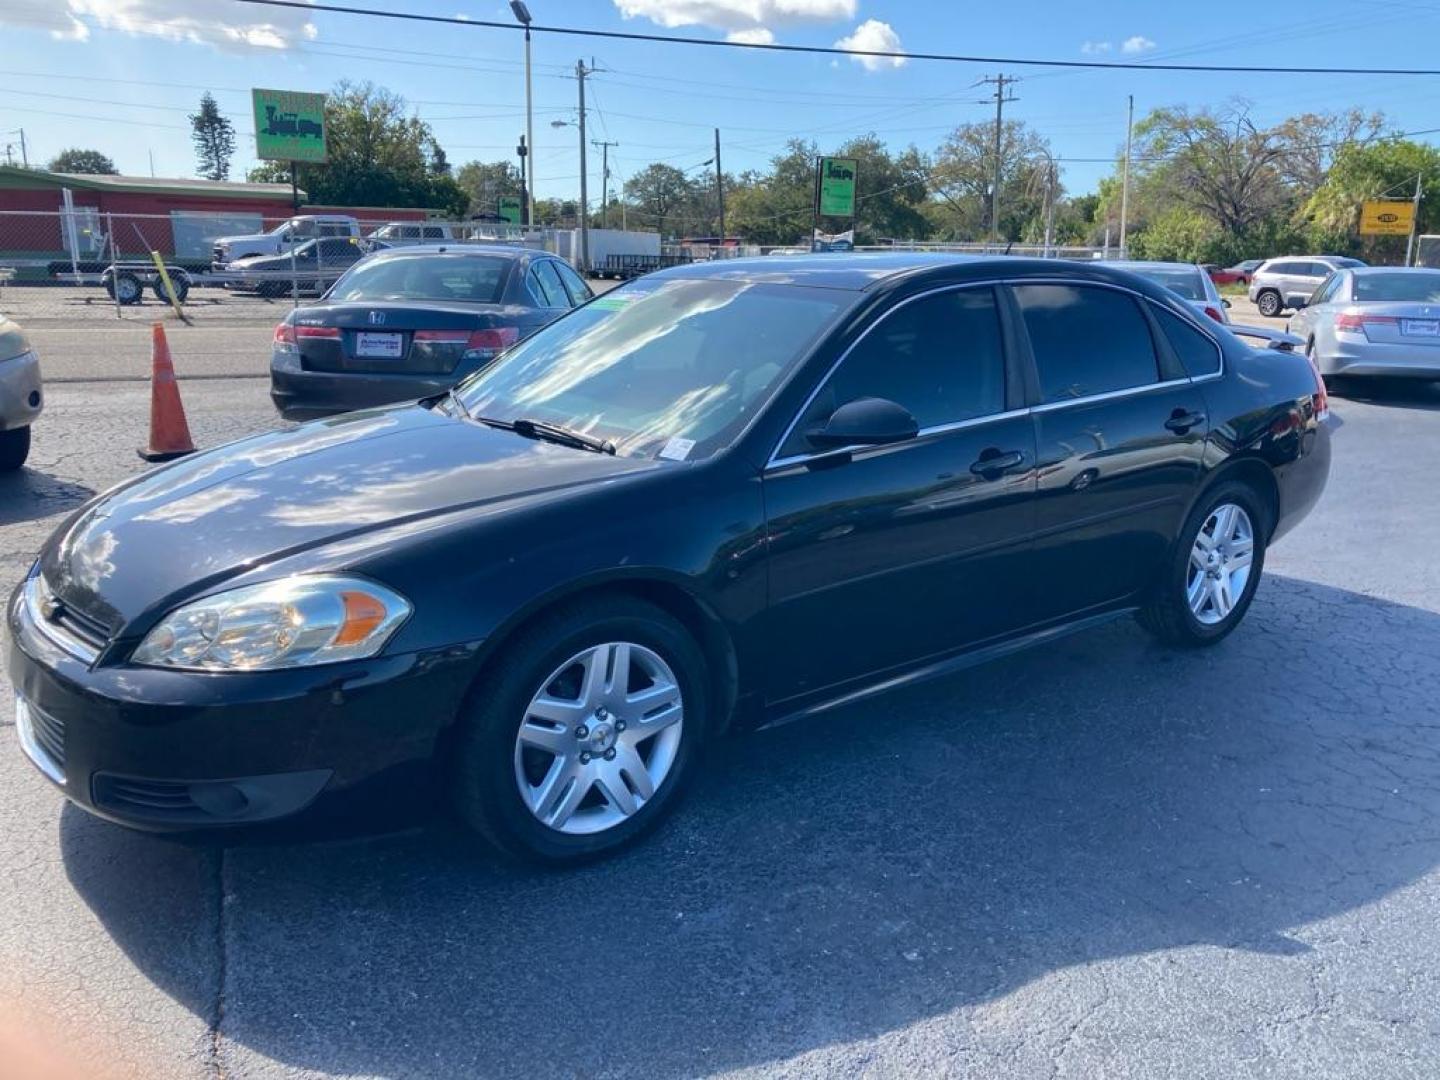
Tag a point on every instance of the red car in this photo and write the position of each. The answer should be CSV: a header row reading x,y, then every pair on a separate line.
x,y
1239,274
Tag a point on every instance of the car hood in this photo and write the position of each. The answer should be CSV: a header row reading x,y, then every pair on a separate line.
x,y
185,528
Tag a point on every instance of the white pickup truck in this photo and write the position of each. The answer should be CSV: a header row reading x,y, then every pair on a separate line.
x,y
282,238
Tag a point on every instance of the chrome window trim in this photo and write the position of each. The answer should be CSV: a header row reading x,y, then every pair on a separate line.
x,y
810,398
1043,407
937,429
31,600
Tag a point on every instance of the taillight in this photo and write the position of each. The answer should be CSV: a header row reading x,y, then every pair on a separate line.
x,y
489,343
1214,314
327,333
285,336
1353,323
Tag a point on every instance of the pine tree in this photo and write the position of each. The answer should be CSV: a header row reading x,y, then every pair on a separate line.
x,y
214,139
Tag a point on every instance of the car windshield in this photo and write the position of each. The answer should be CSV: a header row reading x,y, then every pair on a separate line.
x,y
1180,280
474,279
1421,288
672,368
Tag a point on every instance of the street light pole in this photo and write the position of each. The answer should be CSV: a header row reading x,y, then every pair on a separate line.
x,y
1125,175
580,72
522,13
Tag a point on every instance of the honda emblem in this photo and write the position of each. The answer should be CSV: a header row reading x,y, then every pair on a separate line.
x,y
377,318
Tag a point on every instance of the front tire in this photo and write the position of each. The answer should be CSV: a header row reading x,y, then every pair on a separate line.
x,y
586,733
1214,570
14,448
1268,303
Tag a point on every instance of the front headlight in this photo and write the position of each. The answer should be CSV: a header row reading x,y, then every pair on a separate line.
x,y
293,622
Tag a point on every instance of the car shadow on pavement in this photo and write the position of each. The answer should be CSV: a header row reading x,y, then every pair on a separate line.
x,y
1391,393
30,494
831,881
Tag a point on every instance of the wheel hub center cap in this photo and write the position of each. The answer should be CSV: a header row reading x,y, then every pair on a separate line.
x,y
601,738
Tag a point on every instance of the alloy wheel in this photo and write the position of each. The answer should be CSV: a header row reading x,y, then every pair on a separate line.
x,y
599,738
1220,562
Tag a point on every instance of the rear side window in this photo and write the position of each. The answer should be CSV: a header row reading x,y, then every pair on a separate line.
x,y
1198,353
1086,340
548,280
940,357
578,290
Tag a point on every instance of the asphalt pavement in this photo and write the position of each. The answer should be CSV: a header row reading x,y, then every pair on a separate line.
x,y
1103,859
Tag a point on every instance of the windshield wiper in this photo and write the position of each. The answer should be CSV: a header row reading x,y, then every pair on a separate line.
x,y
539,429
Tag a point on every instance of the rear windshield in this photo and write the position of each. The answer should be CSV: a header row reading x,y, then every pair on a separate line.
x,y
1185,282
669,368
1422,288
474,279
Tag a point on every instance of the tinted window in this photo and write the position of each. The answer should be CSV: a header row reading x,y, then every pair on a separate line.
x,y
1326,290
578,290
464,278
1187,283
1316,270
1416,287
550,280
939,356
1086,340
1198,353
547,291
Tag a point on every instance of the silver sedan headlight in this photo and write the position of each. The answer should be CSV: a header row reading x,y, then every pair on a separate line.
x,y
296,621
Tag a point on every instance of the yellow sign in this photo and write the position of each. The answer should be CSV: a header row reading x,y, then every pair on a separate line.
x,y
1387,217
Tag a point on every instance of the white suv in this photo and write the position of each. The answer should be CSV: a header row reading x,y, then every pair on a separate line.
x,y
1278,282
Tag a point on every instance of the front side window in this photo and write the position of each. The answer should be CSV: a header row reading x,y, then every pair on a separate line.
x,y
302,227
939,356
671,368
1326,291
1086,340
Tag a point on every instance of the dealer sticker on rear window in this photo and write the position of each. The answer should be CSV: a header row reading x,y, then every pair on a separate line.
x,y
611,303
677,449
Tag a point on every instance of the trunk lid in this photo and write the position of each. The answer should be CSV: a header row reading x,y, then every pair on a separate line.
x,y
417,339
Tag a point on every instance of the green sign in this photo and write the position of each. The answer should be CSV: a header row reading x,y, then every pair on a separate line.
x,y
837,187
510,208
289,126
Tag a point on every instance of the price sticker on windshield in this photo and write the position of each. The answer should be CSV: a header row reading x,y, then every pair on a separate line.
x,y
611,302
677,449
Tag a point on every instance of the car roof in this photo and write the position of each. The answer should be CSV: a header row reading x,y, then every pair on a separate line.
x,y
454,247
1366,271
862,271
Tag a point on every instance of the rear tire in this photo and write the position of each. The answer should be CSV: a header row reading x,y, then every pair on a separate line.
x,y
499,772
1268,303
127,289
14,448
179,281
1187,608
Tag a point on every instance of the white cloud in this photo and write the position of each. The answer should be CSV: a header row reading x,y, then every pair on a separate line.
x,y
874,36
1091,48
754,35
1137,44
738,16
221,23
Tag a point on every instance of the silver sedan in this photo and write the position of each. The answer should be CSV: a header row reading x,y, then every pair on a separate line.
x,y
20,394
1373,321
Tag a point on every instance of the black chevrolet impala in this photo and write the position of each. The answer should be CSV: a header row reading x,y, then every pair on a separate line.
x,y
720,496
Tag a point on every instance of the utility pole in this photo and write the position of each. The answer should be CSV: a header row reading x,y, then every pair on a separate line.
x,y
580,72
1125,175
604,179
24,154
527,167
1052,182
720,187
1415,221
999,82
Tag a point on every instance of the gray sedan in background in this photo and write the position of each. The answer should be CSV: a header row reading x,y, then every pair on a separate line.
x,y
1186,280
1373,321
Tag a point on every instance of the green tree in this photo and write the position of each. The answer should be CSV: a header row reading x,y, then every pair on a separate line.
x,y
214,139
76,160
1177,235
963,175
663,197
379,155
484,182
890,191
1383,169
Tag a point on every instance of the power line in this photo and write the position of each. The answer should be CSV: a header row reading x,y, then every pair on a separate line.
x,y
820,50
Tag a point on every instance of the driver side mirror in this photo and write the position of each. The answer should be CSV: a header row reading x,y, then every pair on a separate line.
x,y
866,421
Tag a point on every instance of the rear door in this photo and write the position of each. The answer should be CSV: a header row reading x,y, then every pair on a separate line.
x,y
1120,435
883,556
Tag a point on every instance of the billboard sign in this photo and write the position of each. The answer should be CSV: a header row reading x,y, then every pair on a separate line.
x,y
289,125
1387,217
835,187
510,208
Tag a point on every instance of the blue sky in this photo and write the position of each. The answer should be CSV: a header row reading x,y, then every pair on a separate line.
x,y
121,75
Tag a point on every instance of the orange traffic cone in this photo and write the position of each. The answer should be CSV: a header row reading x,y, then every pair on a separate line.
x,y
169,433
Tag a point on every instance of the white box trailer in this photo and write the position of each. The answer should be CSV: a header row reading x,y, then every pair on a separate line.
x,y
605,243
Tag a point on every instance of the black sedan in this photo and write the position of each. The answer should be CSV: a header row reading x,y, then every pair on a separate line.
x,y
724,495
412,321
313,267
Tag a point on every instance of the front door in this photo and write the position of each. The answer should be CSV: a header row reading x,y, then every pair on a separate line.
x,y
884,555
1120,436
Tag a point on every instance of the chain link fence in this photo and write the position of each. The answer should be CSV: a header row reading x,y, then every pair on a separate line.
x,y
85,264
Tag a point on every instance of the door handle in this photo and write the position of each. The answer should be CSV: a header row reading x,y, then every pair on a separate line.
x,y
993,462
1182,420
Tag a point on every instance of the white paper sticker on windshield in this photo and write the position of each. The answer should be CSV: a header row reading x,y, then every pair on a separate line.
x,y
677,449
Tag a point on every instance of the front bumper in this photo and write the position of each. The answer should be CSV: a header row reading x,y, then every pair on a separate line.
x,y
302,395
21,394
170,750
